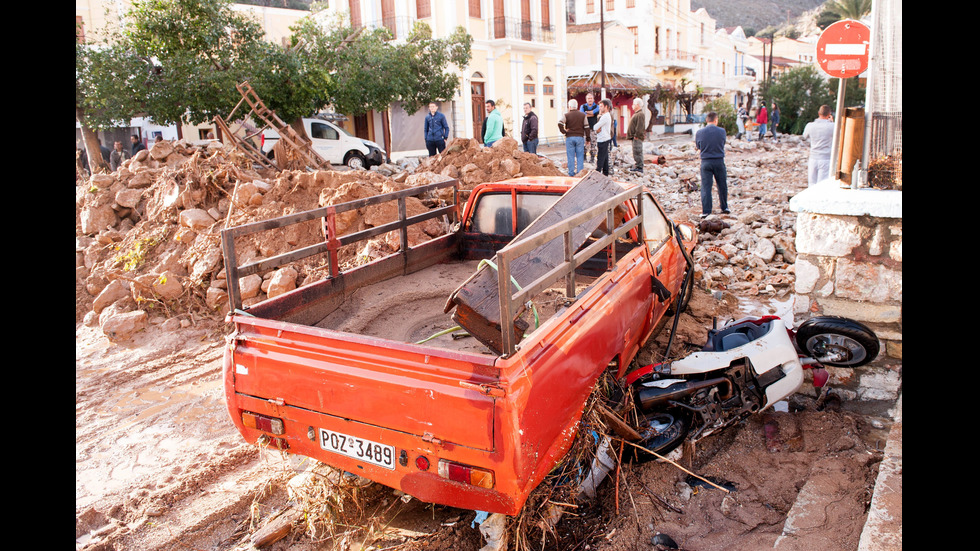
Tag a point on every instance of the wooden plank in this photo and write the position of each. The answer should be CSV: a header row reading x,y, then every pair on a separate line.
x,y
477,299
277,527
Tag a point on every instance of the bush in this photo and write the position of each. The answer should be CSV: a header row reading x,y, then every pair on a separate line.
x,y
726,114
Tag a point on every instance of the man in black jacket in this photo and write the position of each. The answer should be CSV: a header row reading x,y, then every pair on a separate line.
x,y
710,142
137,145
529,130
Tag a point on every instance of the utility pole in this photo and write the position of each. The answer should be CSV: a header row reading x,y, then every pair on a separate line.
x,y
602,48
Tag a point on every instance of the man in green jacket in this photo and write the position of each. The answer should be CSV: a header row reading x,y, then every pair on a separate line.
x,y
495,124
635,132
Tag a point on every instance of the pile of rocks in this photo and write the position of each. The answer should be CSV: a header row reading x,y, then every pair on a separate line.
x,y
472,163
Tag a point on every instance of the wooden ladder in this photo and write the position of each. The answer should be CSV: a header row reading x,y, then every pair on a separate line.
x,y
287,134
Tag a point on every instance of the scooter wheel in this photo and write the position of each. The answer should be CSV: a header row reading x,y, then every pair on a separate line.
x,y
662,433
837,341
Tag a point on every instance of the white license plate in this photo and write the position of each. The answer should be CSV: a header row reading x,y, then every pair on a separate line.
x,y
374,453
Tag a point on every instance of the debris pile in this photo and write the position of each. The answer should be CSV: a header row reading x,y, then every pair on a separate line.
x,y
750,251
148,235
472,163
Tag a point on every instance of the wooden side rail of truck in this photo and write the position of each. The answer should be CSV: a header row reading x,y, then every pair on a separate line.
x,y
451,420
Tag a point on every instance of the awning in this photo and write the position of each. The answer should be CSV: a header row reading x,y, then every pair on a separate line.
x,y
617,82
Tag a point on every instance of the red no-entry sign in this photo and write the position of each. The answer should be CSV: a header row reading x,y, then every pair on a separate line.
x,y
842,49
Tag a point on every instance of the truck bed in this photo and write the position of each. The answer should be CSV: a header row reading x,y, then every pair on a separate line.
x,y
409,308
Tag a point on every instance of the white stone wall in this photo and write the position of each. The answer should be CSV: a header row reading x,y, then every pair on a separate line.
x,y
849,263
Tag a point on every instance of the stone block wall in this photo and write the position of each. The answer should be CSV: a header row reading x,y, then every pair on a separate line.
x,y
849,263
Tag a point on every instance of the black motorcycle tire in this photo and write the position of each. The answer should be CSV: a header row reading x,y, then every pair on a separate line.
x,y
820,335
665,440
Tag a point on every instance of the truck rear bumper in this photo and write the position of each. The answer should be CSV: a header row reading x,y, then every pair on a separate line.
x,y
415,467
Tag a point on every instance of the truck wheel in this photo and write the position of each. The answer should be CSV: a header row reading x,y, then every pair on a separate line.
x,y
354,160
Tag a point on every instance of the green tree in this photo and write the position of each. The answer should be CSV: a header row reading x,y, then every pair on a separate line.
x,y
179,61
203,49
371,71
799,92
108,84
853,91
726,114
429,61
850,9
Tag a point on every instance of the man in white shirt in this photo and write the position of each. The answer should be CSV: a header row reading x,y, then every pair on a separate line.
x,y
820,132
603,134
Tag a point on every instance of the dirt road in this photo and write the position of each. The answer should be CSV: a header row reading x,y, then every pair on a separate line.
x,y
159,466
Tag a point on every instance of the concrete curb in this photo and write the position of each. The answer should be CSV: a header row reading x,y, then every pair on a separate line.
x,y
883,529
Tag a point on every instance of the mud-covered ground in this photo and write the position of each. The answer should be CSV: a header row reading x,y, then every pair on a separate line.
x,y
160,466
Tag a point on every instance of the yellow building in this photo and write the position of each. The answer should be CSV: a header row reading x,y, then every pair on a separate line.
x,y
518,56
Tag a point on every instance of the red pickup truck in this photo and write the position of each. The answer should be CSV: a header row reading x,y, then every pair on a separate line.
x,y
474,423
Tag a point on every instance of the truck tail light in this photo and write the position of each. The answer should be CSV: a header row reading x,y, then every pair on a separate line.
x,y
466,474
263,423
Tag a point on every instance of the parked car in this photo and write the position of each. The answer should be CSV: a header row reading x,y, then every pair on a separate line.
x,y
333,143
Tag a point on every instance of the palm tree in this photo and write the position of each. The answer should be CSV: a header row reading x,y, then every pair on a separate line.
x,y
850,9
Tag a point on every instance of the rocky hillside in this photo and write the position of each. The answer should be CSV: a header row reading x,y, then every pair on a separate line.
x,y
755,15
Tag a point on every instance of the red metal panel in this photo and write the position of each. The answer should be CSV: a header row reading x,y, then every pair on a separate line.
x,y
410,390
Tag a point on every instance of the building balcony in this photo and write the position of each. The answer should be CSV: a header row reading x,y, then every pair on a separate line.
x,y
398,26
710,81
675,60
522,30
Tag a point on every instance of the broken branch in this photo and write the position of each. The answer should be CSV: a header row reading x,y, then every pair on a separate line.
x,y
658,456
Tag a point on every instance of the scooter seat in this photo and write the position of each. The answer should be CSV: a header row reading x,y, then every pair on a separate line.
x,y
734,340
734,336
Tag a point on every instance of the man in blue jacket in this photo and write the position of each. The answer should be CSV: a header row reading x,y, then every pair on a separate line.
x,y
591,110
710,141
436,130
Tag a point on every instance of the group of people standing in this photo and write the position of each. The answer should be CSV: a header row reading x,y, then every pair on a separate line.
x,y
437,129
115,156
591,129
763,119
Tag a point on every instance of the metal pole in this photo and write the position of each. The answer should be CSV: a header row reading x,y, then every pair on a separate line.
x,y
602,48
869,106
838,130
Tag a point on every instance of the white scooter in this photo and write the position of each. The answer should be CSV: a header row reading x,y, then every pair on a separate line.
x,y
744,368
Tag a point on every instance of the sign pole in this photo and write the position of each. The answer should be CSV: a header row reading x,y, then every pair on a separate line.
x,y
838,131
842,52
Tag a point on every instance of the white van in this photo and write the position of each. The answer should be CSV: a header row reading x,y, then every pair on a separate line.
x,y
334,144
